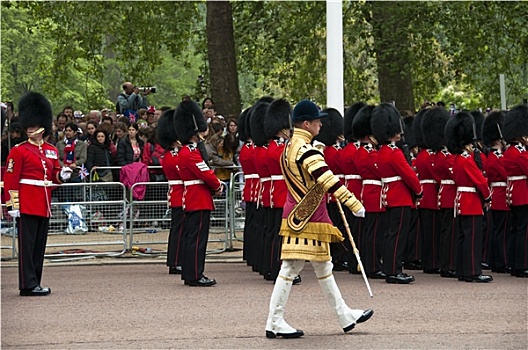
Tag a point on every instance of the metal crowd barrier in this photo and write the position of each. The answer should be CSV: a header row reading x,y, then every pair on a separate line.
x,y
91,219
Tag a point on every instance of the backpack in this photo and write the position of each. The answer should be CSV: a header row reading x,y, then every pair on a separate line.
x,y
118,107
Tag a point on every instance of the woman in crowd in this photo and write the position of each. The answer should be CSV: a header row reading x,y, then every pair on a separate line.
x,y
91,126
218,158
130,147
100,155
120,131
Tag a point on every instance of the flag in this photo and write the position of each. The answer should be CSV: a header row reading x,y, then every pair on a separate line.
x,y
83,172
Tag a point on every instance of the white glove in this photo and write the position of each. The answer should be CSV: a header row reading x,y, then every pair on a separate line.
x,y
65,173
360,213
15,213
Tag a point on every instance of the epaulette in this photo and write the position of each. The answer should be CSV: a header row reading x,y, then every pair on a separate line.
x,y
368,147
192,146
465,154
445,152
19,144
337,147
174,151
430,151
497,153
520,148
392,146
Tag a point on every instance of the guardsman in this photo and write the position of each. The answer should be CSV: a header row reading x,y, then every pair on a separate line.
x,y
33,170
497,180
433,127
263,232
169,141
516,165
328,141
400,183
352,178
428,210
306,229
251,180
472,194
277,126
374,224
200,184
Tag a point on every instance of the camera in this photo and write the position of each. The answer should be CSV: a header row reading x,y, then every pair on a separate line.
x,y
145,88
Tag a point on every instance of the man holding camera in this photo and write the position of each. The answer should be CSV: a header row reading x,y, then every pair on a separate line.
x,y
131,100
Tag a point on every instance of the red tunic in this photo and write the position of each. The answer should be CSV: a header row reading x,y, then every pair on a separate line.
x,y
399,180
424,167
198,179
443,174
472,186
260,162
497,179
250,174
366,159
278,185
37,168
349,168
515,163
170,168
332,155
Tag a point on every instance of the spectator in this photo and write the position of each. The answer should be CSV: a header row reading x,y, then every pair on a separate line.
x,y
131,100
207,103
107,120
153,154
68,112
218,158
232,126
72,154
16,136
109,129
130,147
209,114
151,117
157,114
100,155
144,132
124,120
95,115
91,126
120,131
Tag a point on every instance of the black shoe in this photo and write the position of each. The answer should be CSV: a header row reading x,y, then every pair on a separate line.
x,y
399,278
431,271
414,265
521,273
479,278
485,266
498,269
508,269
297,334
297,280
448,274
340,266
38,291
175,270
202,282
377,275
365,317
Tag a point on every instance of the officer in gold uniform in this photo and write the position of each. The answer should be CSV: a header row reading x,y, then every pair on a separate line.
x,y
306,227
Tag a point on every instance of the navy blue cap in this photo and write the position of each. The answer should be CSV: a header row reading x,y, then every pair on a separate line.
x,y
306,110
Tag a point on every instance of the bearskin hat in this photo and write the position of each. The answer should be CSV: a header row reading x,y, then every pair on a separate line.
x,y
459,132
35,110
188,120
515,123
385,122
408,131
350,113
433,126
277,117
256,123
165,132
490,129
417,131
242,121
478,117
267,99
361,123
332,127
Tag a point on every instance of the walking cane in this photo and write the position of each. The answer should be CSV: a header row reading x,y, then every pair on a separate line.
x,y
354,248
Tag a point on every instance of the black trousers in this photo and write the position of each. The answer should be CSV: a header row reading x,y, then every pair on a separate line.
x,y
500,239
487,229
247,255
340,255
275,262
267,241
520,236
372,241
196,234
448,240
174,249
32,238
469,246
258,230
396,239
413,252
430,228
356,228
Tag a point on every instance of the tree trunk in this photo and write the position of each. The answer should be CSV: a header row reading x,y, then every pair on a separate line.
x,y
391,44
222,58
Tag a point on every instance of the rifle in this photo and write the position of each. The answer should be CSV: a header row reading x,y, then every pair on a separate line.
x,y
476,151
501,137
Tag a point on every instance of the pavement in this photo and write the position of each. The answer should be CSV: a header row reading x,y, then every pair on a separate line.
x,y
131,303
